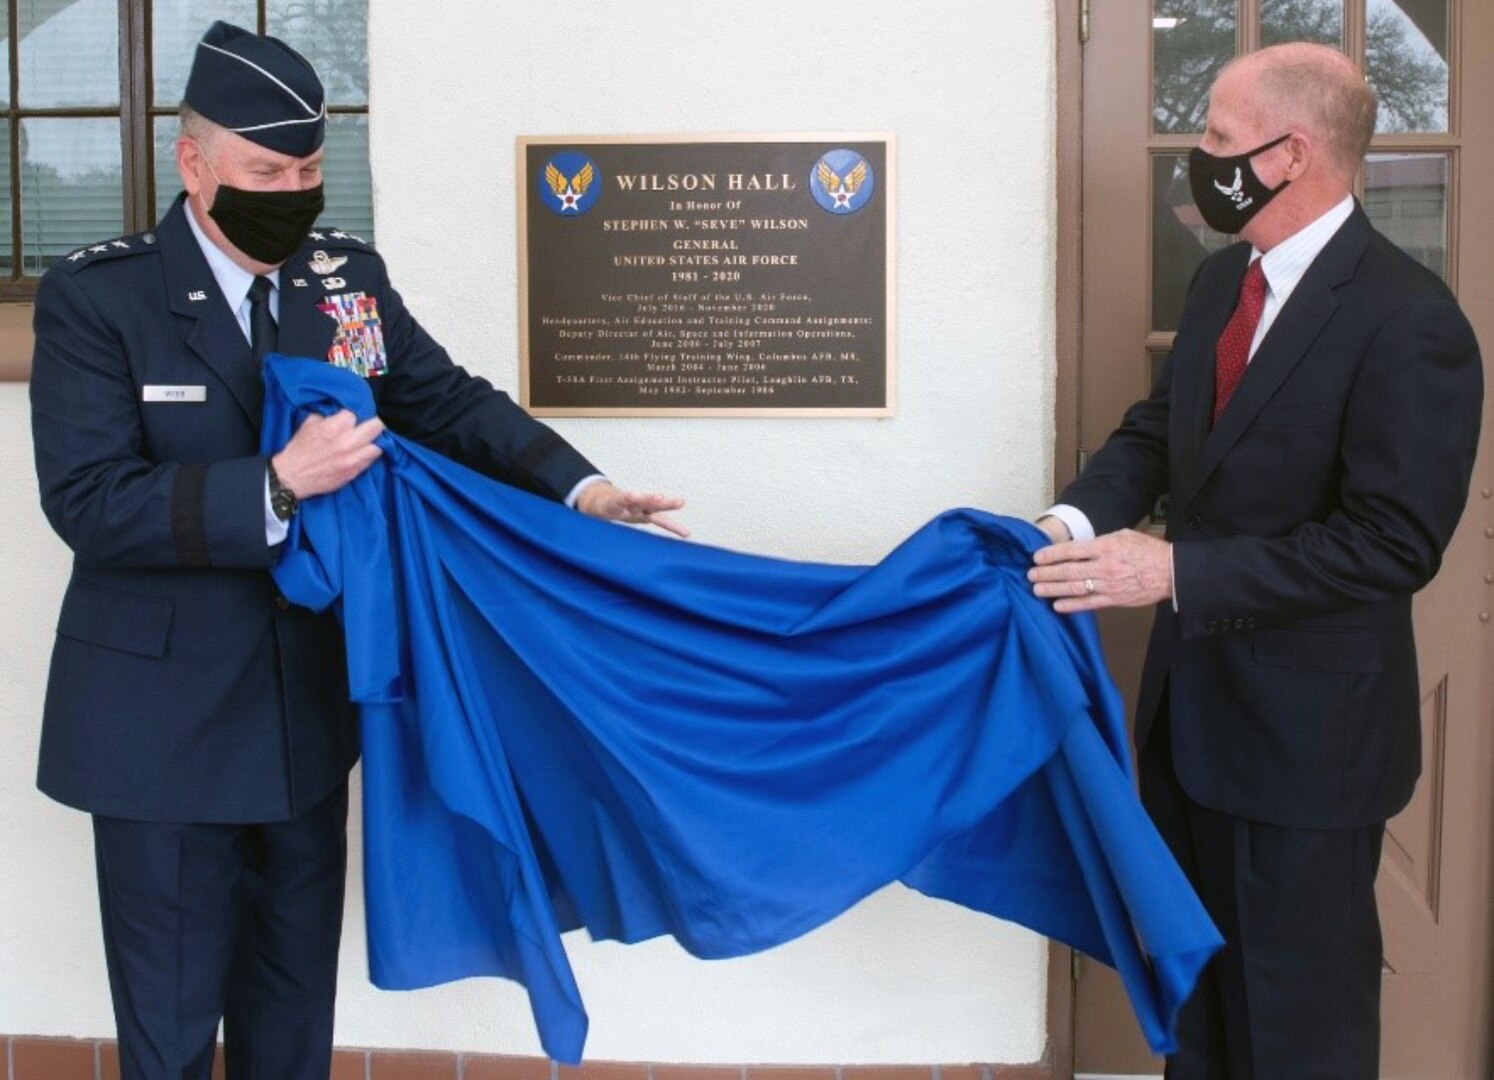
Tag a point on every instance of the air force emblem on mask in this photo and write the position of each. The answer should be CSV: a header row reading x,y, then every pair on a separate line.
x,y
842,181
570,184
359,344
1235,193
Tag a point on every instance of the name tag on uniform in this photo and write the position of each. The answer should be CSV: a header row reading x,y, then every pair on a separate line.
x,y
173,393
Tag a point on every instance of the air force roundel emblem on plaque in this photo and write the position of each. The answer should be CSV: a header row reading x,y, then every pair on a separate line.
x,y
842,181
570,183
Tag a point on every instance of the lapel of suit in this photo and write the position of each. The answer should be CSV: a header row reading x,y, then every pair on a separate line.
x,y
1297,326
1194,369
305,329
212,331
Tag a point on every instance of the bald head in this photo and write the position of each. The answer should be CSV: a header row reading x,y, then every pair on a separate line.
x,y
1308,88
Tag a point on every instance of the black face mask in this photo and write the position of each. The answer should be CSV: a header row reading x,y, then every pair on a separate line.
x,y
268,226
1226,190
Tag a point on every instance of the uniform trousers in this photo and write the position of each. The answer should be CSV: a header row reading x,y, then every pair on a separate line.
x,y
233,923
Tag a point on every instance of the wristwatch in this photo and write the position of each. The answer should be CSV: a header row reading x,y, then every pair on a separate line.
x,y
283,500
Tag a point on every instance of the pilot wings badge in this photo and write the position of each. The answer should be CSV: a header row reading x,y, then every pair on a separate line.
x,y
323,264
570,184
842,181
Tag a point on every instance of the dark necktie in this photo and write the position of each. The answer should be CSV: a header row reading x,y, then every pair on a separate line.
x,y
263,335
1233,352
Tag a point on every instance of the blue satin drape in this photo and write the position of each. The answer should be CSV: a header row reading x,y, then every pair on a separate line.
x,y
567,723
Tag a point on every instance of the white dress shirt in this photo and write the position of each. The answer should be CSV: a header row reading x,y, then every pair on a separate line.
x,y
1283,267
233,282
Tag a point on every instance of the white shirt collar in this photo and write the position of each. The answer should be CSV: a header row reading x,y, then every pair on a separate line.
x,y
233,280
1285,263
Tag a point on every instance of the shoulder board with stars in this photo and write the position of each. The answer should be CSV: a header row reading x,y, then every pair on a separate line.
x,y
136,244
335,238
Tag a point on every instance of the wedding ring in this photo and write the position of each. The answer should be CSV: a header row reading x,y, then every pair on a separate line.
x,y
1089,586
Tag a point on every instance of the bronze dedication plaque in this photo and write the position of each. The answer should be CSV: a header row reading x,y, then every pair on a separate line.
x,y
729,275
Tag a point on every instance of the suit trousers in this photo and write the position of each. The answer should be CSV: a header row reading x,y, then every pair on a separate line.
x,y
1295,992
239,923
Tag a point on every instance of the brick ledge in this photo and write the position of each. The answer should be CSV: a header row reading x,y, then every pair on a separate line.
x,y
28,1057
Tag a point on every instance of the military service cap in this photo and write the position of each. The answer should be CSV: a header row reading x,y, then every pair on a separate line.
x,y
258,87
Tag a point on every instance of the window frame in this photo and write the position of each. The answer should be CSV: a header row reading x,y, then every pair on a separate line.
x,y
136,113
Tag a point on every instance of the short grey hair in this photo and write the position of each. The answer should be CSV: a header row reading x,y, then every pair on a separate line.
x,y
1319,90
193,125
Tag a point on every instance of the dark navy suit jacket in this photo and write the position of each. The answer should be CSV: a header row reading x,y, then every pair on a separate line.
x,y
1302,523
183,686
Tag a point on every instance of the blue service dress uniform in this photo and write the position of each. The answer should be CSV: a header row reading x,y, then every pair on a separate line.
x,y
184,689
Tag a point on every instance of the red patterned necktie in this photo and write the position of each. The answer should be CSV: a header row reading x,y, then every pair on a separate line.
x,y
1233,351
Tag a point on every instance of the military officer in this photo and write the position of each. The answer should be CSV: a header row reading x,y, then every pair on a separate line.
x,y
202,720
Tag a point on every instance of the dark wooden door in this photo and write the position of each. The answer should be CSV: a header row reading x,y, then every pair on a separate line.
x,y
1147,67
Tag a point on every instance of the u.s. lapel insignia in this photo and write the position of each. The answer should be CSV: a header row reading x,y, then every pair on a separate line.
x,y
323,264
359,344
298,282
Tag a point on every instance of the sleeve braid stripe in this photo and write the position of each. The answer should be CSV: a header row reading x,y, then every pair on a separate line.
x,y
188,517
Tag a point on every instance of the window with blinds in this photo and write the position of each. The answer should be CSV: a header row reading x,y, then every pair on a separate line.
x,y
88,98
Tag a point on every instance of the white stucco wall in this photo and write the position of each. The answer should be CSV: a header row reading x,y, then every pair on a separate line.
x,y
967,86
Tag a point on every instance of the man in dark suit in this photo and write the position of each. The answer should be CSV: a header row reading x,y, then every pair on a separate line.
x,y
1315,430
200,718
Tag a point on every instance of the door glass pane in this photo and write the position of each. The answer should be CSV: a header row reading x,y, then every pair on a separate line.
x,y
1405,196
7,260
175,28
1180,239
346,175
71,187
1191,41
69,52
168,181
333,35
1406,59
4,59
1320,21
